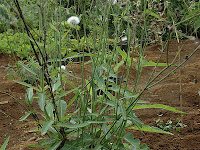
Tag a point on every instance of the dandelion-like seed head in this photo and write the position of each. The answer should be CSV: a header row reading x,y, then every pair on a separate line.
x,y
63,67
73,20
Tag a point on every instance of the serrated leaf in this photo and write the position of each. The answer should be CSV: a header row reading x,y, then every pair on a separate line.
x,y
46,126
3,147
25,116
149,129
158,106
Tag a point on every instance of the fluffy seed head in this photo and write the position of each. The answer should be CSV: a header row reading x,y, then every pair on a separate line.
x,y
63,67
73,20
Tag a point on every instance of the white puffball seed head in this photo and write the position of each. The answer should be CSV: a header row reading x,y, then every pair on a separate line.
x,y
73,20
63,67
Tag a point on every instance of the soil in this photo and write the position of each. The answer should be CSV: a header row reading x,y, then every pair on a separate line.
x,y
166,92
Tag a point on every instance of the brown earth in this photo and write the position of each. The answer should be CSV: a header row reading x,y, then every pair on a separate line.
x,y
167,92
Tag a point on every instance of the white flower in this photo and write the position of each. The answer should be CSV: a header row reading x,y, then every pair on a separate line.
x,y
73,20
63,67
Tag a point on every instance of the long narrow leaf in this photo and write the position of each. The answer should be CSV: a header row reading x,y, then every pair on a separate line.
x,y
55,145
26,84
46,126
25,116
150,129
123,110
3,147
157,106
68,92
41,100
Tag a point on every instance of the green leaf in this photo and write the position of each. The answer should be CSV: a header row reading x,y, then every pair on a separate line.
x,y
130,139
89,86
54,28
56,86
29,95
69,82
61,105
3,147
55,145
149,129
151,63
157,106
98,147
72,126
68,92
49,110
123,110
125,56
73,99
47,141
144,147
155,15
26,84
118,65
46,126
135,120
41,100
35,145
77,55
81,125
28,69
25,116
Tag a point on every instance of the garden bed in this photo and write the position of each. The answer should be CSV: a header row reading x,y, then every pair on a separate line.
x,y
167,92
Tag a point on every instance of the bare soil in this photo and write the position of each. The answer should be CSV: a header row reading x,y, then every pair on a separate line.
x,y
167,92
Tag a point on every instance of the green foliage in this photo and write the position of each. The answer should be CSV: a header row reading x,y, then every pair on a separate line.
x,y
3,147
9,40
4,17
87,119
170,125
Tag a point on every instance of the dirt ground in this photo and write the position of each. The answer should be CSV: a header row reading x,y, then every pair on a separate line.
x,y
167,92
